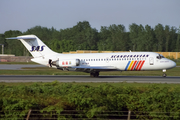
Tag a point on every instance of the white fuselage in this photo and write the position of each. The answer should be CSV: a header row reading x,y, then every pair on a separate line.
x,y
120,61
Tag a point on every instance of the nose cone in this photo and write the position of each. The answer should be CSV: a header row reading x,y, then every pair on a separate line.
x,y
172,64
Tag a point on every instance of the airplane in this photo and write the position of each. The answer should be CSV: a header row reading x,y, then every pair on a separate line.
x,y
93,63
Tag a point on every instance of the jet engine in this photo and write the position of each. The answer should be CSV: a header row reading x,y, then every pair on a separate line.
x,y
65,63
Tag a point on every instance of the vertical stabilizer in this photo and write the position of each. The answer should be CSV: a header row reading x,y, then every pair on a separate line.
x,y
35,46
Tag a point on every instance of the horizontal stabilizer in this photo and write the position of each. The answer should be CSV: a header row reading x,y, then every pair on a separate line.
x,y
23,37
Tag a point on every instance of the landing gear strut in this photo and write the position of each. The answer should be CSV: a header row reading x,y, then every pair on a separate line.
x,y
164,72
94,74
50,63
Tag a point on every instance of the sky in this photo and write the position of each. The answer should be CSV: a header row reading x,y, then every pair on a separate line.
x,y
61,14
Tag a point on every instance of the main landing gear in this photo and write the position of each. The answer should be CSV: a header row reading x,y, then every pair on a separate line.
x,y
94,74
164,72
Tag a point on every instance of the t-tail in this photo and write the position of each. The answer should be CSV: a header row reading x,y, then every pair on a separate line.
x,y
42,53
35,46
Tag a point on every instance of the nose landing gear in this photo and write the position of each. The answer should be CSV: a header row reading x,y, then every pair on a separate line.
x,y
164,73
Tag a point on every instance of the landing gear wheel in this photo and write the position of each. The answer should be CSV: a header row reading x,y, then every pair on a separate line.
x,y
164,75
91,74
94,74
164,72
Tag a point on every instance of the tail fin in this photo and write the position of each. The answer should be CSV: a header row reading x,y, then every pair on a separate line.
x,y
34,45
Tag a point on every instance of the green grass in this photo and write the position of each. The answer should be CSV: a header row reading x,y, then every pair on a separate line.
x,y
178,63
119,84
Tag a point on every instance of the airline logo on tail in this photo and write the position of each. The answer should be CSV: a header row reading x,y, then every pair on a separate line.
x,y
37,48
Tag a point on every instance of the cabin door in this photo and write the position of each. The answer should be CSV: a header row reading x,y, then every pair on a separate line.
x,y
151,61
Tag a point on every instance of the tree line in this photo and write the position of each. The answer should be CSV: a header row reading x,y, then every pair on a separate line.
x,y
113,38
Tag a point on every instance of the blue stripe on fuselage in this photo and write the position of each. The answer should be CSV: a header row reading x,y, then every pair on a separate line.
x,y
127,65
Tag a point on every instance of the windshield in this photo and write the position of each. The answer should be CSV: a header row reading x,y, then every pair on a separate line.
x,y
160,56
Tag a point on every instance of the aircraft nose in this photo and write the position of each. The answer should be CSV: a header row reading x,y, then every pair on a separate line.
x,y
173,64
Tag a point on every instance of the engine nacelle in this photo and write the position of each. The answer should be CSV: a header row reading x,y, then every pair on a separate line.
x,y
67,63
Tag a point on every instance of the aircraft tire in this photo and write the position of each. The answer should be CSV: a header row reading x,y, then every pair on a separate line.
x,y
94,74
164,75
91,74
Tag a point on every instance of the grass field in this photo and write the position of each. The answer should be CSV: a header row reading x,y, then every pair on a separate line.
x,y
119,84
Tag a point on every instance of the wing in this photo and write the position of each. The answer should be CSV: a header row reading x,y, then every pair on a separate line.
x,y
95,68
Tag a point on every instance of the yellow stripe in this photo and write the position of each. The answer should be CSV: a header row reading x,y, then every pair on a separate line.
x,y
129,68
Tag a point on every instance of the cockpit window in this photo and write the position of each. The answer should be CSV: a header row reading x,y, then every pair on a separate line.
x,y
160,56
